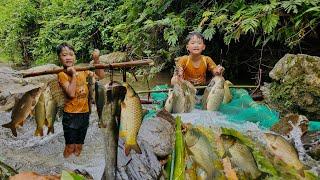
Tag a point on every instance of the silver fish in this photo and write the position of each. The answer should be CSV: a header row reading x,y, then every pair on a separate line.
x,y
216,94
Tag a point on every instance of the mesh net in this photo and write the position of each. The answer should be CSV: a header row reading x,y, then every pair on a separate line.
x,y
241,109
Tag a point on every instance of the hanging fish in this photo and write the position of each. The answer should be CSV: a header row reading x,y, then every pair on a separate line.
x,y
22,109
131,118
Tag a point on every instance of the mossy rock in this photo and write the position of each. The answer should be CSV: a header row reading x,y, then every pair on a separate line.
x,y
297,85
114,57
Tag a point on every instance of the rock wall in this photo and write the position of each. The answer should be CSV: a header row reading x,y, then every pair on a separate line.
x,y
296,85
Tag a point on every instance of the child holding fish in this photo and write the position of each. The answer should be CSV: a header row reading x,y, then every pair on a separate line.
x,y
76,108
193,67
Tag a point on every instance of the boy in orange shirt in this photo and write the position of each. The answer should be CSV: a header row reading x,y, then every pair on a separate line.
x,y
75,119
193,67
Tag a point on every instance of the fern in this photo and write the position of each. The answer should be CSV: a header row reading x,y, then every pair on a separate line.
x,y
249,24
269,22
208,33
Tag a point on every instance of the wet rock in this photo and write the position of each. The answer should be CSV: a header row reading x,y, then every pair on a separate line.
x,y
287,123
114,57
137,166
12,86
158,133
296,85
311,143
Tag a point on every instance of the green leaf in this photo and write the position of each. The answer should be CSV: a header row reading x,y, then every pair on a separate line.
x,y
208,33
269,23
249,24
170,36
68,175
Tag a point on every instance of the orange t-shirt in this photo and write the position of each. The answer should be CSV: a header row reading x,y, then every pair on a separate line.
x,y
80,103
195,75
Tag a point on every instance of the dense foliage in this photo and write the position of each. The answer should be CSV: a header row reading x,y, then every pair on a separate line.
x,y
235,30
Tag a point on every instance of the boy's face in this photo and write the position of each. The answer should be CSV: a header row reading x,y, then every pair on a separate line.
x,y
67,57
195,46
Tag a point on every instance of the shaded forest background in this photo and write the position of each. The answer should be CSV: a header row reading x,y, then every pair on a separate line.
x,y
243,36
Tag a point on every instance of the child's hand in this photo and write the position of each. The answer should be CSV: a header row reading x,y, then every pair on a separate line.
x,y
218,70
71,71
95,56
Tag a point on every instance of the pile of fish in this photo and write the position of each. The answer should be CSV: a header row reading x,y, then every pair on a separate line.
x,y
181,98
225,153
42,99
216,92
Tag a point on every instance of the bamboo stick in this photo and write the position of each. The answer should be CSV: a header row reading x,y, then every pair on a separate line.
x,y
197,87
147,62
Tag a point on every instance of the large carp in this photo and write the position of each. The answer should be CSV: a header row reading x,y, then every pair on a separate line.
x,y
190,95
242,158
216,94
40,115
227,94
283,150
22,109
176,100
181,98
51,107
201,152
131,118
108,123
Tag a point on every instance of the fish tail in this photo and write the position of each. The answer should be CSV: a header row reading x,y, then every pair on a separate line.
x,y
128,147
12,127
38,132
50,130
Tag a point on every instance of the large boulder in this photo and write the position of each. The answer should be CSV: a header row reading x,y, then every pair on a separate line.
x,y
158,133
296,85
114,57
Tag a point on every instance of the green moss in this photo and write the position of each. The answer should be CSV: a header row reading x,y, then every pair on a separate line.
x,y
287,96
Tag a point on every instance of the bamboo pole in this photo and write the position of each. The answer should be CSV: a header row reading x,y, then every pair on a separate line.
x,y
197,87
147,62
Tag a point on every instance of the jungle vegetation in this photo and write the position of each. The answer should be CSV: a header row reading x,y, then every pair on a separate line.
x,y
243,35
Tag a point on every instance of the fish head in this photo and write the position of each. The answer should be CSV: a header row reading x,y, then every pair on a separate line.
x,y
228,83
191,137
270,137
271,140
219,81
116,91
228,141
130,92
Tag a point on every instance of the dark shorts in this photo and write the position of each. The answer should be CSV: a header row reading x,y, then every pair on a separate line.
x,y
75,127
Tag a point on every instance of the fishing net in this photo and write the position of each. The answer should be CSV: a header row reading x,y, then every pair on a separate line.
x,y
241,109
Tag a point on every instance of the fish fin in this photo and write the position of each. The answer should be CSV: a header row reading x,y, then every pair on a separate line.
x,y
10,126
46,122
50,130
123,105
38,132
122,133
21,123
128,147
101,125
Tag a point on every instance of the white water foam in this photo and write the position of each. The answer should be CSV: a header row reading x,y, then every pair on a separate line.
x,y
44,155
